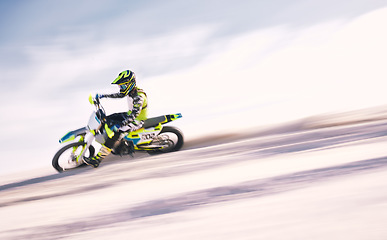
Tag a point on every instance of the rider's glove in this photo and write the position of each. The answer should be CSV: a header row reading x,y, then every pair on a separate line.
x,y
99,96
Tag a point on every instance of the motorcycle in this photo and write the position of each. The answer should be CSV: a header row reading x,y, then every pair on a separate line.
x,y
153,138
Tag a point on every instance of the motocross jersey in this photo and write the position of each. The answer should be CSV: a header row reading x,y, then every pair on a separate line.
x,y
139,101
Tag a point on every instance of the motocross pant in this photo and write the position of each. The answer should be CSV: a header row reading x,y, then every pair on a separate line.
x,y
118,118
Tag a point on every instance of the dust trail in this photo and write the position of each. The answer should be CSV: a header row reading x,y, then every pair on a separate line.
x,y
187,201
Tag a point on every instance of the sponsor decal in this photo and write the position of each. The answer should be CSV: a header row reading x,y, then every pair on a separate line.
x,y
148,136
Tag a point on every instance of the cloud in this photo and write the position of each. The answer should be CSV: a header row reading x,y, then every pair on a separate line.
x,y
224,68
277,74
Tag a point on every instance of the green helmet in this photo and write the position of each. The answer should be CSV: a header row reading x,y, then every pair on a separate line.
x,y
126,80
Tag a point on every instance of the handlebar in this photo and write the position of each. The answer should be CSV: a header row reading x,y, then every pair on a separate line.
x,y
94,101
100,110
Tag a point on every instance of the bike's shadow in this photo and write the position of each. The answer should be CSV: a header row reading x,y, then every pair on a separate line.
x,y
113,159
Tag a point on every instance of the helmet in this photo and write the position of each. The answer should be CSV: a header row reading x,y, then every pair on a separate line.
x,y
126,80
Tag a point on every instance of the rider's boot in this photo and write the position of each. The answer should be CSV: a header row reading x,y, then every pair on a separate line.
x,y
95,161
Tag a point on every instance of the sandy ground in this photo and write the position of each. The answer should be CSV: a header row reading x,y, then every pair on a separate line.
x,y
295,183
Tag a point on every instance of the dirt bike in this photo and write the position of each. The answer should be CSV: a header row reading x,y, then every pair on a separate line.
x,y
153,138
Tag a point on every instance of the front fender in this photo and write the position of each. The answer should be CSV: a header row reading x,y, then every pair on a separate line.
x,y
73,134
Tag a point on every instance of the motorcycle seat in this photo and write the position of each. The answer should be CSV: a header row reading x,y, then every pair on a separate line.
x,y
153,122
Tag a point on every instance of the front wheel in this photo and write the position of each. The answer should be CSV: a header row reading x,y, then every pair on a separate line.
x,y
66,158
170,138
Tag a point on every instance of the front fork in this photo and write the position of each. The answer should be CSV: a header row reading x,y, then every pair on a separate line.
x,y
89,138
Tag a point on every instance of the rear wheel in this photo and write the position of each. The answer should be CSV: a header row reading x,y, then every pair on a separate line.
x,y
66,158
170,138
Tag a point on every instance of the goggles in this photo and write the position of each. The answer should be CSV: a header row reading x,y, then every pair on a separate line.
x,y
123,86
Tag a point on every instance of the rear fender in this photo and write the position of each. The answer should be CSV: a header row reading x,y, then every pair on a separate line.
x,y
153,122
73,134
171,117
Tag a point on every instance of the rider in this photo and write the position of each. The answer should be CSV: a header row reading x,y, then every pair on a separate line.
x,y
124,121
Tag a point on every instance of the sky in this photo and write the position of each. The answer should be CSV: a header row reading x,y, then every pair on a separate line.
x,y
225,65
